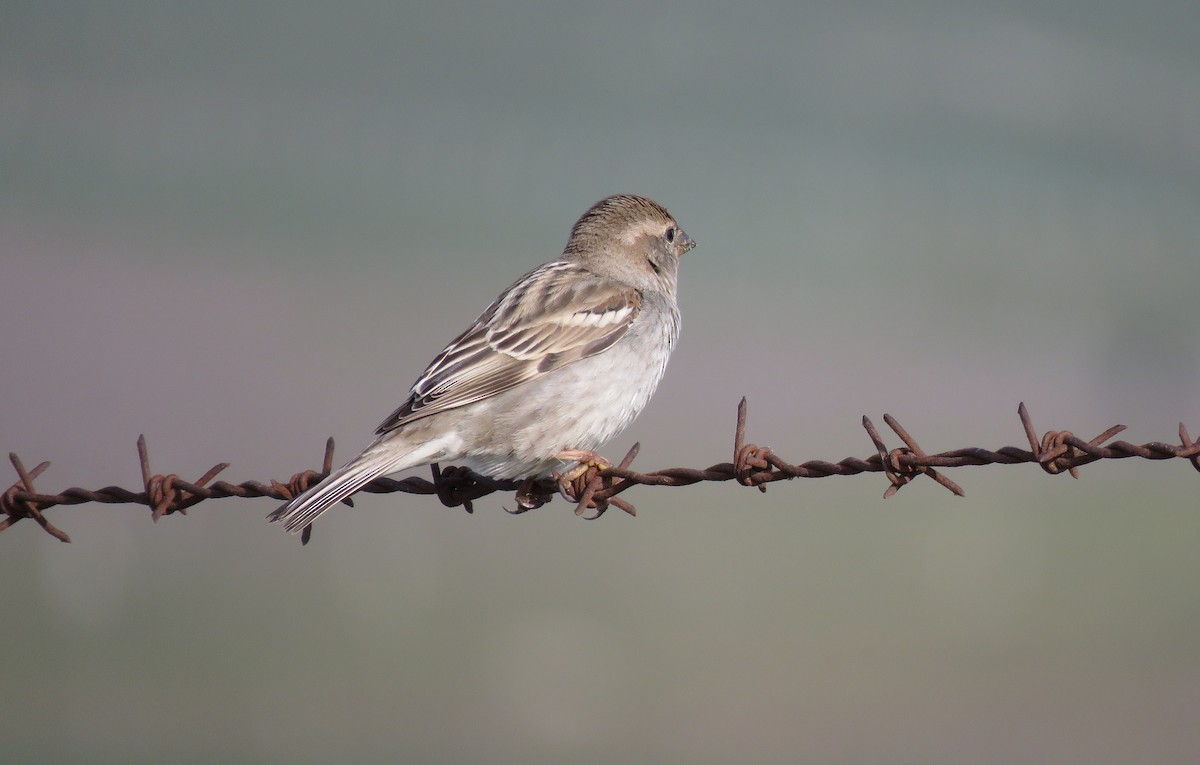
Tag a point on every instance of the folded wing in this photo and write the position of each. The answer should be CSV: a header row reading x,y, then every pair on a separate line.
x,y
554,315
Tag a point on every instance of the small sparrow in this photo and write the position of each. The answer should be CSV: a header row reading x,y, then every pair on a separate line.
x,y
559,364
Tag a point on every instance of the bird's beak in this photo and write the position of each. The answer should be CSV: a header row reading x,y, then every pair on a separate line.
x,y
685,242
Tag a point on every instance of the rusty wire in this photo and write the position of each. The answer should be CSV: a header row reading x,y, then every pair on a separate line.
x,y
597,488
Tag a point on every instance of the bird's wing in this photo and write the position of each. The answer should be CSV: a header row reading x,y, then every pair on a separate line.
x,y
554,315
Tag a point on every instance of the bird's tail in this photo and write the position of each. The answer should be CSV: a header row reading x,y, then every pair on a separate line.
x,y
379,459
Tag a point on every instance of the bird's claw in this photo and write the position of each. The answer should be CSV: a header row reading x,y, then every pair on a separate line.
x,y
532,494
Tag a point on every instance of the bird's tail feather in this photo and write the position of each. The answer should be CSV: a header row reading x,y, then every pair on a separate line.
x,y
341,483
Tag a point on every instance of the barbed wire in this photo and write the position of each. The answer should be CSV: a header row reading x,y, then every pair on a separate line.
x,y
596,489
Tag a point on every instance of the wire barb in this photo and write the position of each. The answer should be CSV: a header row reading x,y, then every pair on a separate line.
x,y
166,494
596,487
20,500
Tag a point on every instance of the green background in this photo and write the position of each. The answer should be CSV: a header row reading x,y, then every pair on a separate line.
x,y
241,228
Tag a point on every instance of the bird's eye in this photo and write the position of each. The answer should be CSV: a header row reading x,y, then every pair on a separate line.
x,y
670,235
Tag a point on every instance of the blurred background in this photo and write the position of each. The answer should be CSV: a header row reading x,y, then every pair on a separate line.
x,y
240,228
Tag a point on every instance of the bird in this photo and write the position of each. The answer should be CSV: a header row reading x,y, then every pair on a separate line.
x,y
560,363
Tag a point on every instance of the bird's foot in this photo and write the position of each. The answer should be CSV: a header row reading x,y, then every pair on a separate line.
x,y
587,460
580,482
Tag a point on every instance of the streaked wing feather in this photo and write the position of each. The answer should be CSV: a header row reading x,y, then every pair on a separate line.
x,y
554,315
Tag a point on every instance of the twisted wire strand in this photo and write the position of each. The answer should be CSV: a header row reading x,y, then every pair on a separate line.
x,y
597,488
